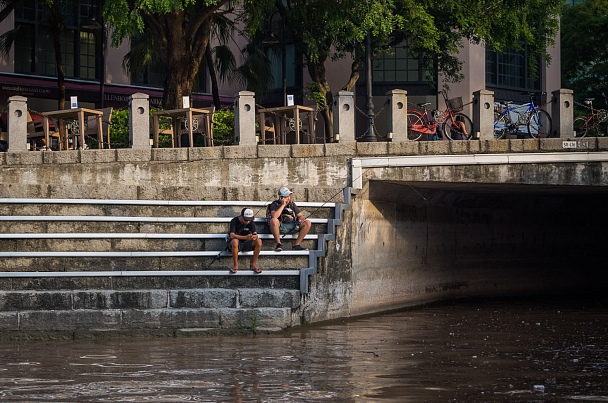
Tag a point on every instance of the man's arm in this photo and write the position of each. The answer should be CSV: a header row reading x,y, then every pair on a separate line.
x,y
234,227
299,214
277,213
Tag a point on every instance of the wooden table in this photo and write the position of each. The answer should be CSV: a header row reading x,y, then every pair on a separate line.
x,y
186,114
280,116
80,115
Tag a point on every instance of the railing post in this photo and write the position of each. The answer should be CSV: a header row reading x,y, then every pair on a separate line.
x,y
17,124
397,115
483,115
562,113
344,117
244,119
139,121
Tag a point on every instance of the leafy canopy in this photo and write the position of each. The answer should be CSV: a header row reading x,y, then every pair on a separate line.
x,y
584,41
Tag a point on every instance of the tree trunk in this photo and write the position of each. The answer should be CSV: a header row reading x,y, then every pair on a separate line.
x,y
215,91
319,75
182,45
60,73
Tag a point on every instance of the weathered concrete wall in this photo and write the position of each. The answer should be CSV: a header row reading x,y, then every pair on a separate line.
x,y
428,233
226,173
414,234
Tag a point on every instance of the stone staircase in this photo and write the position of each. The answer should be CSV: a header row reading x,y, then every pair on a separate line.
x,y
71,267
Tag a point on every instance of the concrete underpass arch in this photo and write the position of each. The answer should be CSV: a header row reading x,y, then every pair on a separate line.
x,y
427,228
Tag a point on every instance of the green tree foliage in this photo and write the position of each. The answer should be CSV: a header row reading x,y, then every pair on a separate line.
x,y
179,31
223,128
584,41
326,30
119,129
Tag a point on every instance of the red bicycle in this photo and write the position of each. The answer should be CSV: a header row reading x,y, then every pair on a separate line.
x,y
452,123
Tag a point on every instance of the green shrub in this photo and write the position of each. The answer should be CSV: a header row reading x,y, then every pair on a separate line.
x,y
119,128
223,129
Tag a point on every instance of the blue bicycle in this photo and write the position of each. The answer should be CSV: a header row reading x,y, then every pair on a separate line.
x,y
509,118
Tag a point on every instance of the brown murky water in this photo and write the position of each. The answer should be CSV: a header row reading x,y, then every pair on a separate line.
x,y
475,351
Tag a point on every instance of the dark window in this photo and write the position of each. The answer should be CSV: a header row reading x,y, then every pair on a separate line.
x,y
277,67
399,65
34,50
153,76
511,69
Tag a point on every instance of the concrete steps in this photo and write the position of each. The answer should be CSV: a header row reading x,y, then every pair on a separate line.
x,y
89,265
86,311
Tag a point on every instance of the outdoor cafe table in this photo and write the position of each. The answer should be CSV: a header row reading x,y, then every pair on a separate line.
x,y
281,114
63,115
184,113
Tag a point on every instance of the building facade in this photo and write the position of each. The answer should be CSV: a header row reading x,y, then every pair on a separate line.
x,y
95,73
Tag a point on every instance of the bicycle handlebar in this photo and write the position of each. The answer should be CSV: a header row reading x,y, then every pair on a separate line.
x,y
533,93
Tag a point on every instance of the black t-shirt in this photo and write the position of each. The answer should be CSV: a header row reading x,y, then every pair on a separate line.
x,y
241,229
289,213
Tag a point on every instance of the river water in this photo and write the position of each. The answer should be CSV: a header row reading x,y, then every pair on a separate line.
x,y
463,351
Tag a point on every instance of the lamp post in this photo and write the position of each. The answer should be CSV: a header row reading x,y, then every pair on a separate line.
x,y
369,134
271,39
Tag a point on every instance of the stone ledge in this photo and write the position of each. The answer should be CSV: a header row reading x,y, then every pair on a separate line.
x,y
240,152
256,317
437,147
130,155
404,148
170,154
62,157
372,149
274,151
25,158
338,149
495,146
307,150
97,156
205,153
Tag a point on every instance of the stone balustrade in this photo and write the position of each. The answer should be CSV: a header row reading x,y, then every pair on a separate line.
x,y
562,103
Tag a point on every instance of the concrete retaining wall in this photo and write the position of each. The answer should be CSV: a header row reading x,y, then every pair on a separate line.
x,y
410,237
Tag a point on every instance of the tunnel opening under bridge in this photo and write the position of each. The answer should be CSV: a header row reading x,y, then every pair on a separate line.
x,y
434,240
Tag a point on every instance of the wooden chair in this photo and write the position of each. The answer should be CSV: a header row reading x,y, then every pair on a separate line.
x,y
168,130
35,134
268,132
91,127
202,126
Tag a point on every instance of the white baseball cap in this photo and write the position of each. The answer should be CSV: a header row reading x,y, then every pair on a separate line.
x,y
284,191
247,214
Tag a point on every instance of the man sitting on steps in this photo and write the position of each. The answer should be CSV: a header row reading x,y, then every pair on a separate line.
x,y
244,237
284,217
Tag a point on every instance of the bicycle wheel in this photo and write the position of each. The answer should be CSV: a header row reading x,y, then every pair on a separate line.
x,y
582,127
501,125
453,129
539,125
415,122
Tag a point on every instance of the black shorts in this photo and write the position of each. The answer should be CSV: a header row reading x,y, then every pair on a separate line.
x,y
244,246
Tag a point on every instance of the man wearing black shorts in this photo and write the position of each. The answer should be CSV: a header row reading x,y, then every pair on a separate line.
x,y
244,238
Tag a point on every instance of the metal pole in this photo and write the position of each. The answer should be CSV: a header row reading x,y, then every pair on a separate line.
x,y
369,134
284,72
284,63
102,70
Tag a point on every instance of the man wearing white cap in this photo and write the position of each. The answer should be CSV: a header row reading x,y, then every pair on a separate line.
x,y
284,217
244,238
